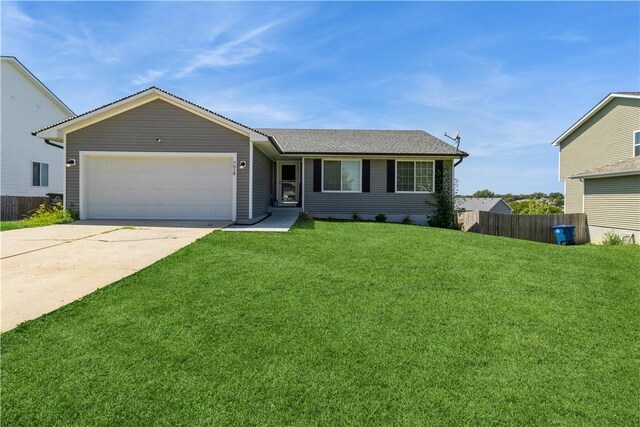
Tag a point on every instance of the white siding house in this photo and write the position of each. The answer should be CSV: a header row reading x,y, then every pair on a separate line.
x,y
29,167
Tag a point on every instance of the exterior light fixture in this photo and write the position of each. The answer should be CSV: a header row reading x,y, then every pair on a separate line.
x,y
243,164
158,139
71,162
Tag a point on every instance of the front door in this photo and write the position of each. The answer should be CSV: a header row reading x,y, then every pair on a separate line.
x,y
288,183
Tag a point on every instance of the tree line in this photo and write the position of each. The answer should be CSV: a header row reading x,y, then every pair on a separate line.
x,y
531,204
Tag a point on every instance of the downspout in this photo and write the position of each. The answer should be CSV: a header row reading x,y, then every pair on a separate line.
x,y
458,162
46,141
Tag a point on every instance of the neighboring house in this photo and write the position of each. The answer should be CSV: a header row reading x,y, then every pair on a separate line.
x,y
488,204
29,167
600,167
157,156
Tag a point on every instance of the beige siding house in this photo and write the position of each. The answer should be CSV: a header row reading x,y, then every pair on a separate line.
x,y
600,166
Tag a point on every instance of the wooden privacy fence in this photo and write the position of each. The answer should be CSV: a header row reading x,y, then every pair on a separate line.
x,y
527,227
17,207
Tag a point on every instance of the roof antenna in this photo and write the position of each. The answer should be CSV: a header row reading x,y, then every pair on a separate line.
x,y
454,138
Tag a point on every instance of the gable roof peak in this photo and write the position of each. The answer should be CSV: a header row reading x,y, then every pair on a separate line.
x,y
594,110
37,82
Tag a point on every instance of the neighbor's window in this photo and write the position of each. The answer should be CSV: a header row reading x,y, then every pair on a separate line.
x,y
341,175
414,177
636,143
40,174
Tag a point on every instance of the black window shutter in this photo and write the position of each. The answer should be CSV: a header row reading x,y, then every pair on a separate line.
x,y
35,175
391,176
366,176
317,175
439,175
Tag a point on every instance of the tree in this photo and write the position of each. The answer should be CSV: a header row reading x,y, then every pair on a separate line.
x,y
533,207
484,193
445,211
445,214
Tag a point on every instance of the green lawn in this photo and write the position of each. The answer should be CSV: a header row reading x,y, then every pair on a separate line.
x,y
11,225
340,323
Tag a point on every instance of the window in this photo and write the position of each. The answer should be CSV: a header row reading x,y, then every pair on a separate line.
x,y
341,175
288,172
636,143
415,177
40,174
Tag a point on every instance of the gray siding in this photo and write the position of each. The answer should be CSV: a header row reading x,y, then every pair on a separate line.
x,y
372,203
613,202
605,138
501,207
136,130
262,183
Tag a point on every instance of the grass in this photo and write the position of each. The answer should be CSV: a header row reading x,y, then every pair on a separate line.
x,y
11,225
342,323
41,216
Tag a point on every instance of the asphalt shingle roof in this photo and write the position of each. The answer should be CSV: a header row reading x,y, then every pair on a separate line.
x,y
328,141
476,203
628,166
344,141
138,93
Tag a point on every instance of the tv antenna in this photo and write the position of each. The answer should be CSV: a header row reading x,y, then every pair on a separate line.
x,y
454,138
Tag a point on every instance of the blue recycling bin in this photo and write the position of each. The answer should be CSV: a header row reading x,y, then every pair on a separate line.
x,y
564,234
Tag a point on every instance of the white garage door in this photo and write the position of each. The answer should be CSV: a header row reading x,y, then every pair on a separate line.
x,y
198,188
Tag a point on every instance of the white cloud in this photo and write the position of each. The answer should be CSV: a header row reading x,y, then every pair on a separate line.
x,y
148,77
259,113
568,37
11,15
242,50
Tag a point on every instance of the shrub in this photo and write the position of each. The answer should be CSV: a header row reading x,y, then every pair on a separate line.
x,y
445,214
611,238
407,220
356,216
445,210
534,207
46,215
381,217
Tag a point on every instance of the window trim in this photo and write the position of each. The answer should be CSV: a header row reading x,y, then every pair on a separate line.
x,y
40,175
342,159
433,177
634,144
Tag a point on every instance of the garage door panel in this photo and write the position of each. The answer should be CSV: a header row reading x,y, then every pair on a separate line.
x,y
158,187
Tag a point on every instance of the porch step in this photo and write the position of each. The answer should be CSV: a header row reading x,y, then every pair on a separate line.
x,y
286,209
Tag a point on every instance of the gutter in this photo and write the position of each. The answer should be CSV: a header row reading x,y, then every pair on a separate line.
x,y
46,141
605,175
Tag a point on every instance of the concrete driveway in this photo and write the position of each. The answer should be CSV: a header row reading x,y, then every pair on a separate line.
x,y
47,267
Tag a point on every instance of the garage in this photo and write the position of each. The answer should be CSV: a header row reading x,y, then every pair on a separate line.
x,y
188,186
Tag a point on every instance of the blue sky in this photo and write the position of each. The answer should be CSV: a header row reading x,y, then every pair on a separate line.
x,y
510,76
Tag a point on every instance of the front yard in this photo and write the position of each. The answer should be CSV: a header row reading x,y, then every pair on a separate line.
x,y
11,225
41,216
340,323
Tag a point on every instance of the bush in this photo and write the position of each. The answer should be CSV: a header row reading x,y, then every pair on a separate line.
x,y
534,207
611,238
381,217
443,204
46,215
445,215
407,220
356,216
